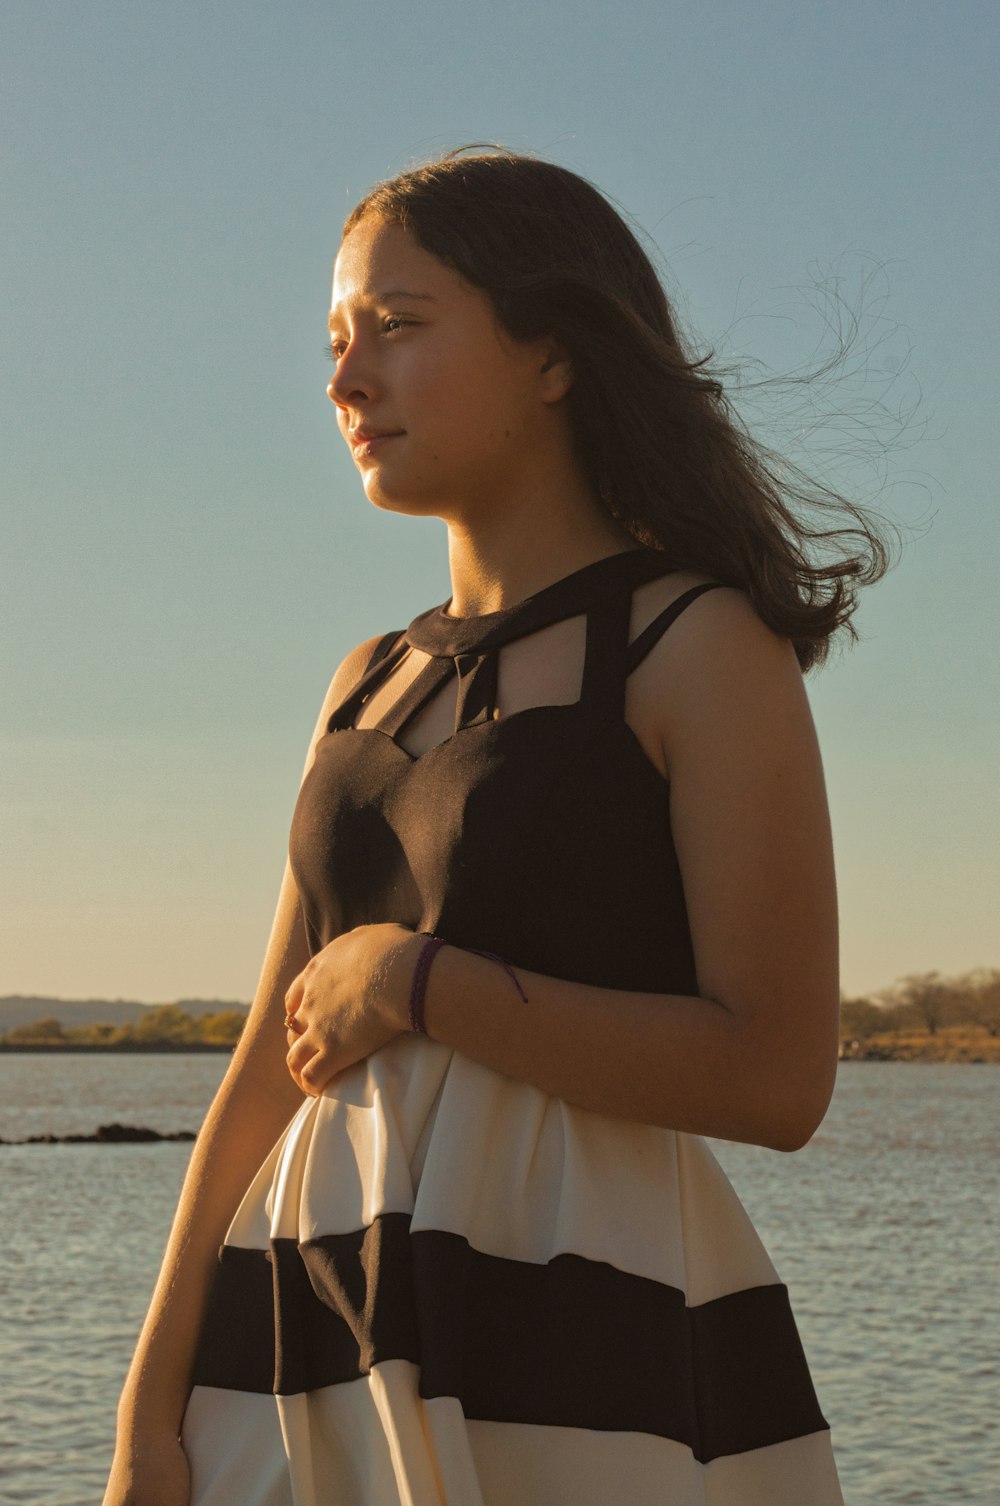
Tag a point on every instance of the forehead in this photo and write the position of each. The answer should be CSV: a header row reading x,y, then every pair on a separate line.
x,y
378,255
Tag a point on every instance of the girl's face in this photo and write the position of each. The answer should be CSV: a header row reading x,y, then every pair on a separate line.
x,y
443,412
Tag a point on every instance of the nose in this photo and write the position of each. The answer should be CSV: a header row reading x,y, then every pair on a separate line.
x,y
352,381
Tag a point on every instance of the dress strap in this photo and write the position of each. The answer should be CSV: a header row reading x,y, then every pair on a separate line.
x,y
603,687
416,695
654,631
611,658
382,647
386,655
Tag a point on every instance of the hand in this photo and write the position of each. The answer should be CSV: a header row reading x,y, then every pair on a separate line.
x,y
155,1473
350,999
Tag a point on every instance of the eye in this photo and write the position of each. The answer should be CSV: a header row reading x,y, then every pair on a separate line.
x,y
390,325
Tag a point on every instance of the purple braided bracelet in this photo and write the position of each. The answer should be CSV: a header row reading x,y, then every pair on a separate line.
x,y
418,988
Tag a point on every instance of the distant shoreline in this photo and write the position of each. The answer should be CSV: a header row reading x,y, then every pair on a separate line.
x,y
127,1048
927,1061
951,1043
930,1049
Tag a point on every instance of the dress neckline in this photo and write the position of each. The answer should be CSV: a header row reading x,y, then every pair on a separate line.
x,y
435,632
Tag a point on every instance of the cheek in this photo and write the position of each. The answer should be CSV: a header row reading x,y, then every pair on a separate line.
x,y
477,402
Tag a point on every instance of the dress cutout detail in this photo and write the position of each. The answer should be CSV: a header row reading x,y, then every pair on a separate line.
x,y
444,1287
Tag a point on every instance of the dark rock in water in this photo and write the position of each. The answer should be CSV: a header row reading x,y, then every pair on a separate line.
x,y
106,1134
116,1134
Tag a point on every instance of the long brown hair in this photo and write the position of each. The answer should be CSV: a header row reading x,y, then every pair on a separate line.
x,y
659,441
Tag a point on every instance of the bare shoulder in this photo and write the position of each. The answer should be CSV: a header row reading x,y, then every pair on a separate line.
x,y
723,613
717,669
345,677
351,668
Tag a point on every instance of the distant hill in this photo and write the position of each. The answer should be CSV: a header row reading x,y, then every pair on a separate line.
x,y
16,1009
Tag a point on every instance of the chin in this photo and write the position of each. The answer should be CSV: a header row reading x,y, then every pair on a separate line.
x,y
401,501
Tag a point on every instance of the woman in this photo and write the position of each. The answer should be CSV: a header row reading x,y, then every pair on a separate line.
x,y
475,1248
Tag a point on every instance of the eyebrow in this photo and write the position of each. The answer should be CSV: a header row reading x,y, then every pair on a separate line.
x,y
393,293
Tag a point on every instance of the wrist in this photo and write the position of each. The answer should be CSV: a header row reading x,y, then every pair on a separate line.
x,y
397,995
416,1007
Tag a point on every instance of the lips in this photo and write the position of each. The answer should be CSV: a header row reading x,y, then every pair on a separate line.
x,y
364,438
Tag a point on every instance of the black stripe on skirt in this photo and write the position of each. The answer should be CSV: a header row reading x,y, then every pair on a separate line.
x,y
571,1343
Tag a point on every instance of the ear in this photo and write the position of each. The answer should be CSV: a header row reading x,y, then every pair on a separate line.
x,y
555,373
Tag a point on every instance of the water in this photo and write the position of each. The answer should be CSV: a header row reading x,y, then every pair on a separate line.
x,y
72,1095
885,1229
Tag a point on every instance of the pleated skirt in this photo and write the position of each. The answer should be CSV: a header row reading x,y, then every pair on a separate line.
x,y
446,1288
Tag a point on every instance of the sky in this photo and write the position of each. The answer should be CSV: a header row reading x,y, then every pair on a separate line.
x,y
187,552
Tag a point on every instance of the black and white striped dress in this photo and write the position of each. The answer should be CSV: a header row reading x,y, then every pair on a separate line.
x,y
445,1287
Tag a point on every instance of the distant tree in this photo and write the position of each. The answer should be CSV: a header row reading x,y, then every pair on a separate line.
x,y
92,1035
166,1023
860,1018
928,995
894,1014
979,994
39,1033
222,1029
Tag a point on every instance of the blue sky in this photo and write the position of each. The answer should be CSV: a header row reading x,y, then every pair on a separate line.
x,y
187,552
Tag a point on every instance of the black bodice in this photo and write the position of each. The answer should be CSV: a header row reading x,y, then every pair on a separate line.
x,y
542,835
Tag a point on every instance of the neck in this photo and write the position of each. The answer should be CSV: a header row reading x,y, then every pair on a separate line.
x,y
496,564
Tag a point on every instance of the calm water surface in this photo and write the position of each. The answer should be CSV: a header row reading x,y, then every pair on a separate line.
x,y
885,1229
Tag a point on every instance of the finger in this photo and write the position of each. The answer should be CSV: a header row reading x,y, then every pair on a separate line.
x,y
297,1058
293,1007
317,1074
293,996
297,1079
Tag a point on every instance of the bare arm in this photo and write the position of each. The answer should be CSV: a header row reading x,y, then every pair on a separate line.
x,y
753,1056
254,1103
